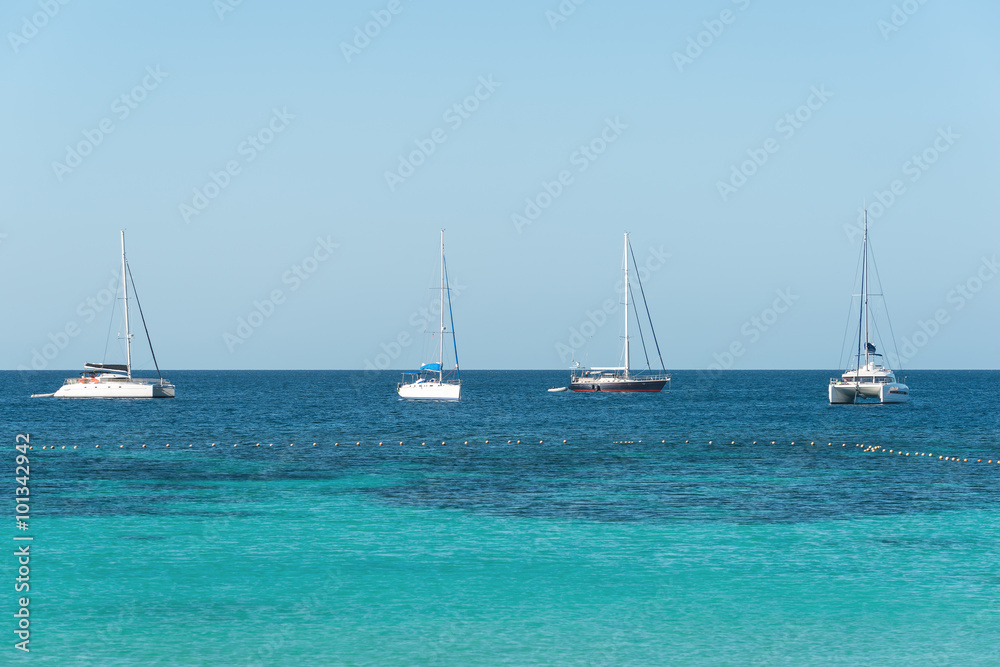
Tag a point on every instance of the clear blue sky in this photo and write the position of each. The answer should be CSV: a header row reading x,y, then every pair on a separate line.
x,y
328,122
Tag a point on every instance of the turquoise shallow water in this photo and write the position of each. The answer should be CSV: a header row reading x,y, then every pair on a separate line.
x,y
602,550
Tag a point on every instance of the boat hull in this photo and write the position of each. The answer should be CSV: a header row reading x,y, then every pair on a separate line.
x,y
882,392
842,394
431,390
592,385
894,393
115,389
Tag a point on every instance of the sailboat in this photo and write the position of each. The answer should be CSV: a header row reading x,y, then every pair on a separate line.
x,y
100,380
868,378
432,382
623,378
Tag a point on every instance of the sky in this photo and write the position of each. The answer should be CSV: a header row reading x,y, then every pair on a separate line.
x,y
282,171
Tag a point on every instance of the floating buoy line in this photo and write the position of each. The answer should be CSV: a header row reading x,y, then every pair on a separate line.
x,y
860,447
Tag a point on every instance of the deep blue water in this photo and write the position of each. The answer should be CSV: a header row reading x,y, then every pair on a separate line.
x,y
666,529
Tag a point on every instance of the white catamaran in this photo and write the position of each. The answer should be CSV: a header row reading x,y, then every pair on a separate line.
x,y
432,382
622,378
867,378
100,380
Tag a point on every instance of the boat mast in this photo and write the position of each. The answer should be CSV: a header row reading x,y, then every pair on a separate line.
x,y
864,284
441,309
625,257
128,336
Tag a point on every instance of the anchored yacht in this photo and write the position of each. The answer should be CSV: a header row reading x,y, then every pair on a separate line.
x,y
100,380
623,378
868,378
432,381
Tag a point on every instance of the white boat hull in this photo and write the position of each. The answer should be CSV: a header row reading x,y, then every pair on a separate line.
x,y
115,389
883,392
431,390
101,380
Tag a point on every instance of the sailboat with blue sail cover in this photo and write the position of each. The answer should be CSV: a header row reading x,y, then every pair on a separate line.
x,y
432,381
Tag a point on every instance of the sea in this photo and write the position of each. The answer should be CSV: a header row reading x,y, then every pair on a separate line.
x,y
312,518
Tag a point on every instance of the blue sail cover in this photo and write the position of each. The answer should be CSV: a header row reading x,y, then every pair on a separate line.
x,y
431,367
